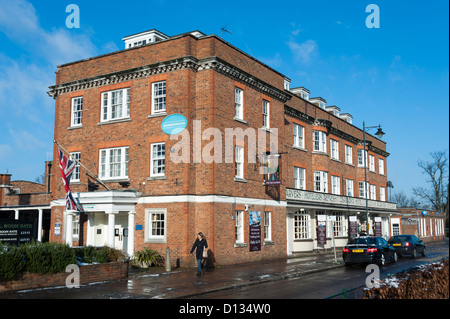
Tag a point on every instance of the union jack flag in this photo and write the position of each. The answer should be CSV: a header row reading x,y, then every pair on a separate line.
x,y
67,166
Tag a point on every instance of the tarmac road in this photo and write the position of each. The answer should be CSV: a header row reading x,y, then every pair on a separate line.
x,y
309,276
329,283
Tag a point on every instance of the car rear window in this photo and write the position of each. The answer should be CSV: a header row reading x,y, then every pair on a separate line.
x,y
402,239
364,241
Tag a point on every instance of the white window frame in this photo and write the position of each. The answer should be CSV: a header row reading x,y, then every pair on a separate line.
x,y
340,226
239,227
155,229
238,103
159,93
267,226
239,161
115,111
362,189
371,163
299,177
321,181
299,133
349,184
105,167
334,145
373,192
319,141
382,194
335,185
266,114
76,227
76,157
361,157
381,166
302,225
159,159
76,114
348,154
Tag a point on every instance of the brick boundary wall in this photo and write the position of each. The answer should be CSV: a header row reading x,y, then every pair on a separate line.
x,y
88,274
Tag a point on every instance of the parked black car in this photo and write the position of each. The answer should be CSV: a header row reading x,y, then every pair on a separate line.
x,y
369,250
408,244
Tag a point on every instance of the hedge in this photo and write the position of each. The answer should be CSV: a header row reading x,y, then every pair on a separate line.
x,y
44,258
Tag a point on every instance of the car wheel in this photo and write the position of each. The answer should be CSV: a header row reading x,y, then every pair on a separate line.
x,y
414,253
395,257
424,252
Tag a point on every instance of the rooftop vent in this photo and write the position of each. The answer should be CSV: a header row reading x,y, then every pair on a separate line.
x,y
143,38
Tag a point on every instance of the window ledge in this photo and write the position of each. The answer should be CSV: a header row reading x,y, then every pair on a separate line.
x,y
74,127
151,178
240,120
157,115
240,245
240,180
300,148
128,119
268,243
320,153
117,180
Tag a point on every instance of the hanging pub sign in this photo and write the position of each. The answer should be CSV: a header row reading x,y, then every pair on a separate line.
x,y
272,168
15,232
255,230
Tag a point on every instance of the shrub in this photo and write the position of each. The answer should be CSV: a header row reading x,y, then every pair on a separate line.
x,y
12,262
148,257
90,254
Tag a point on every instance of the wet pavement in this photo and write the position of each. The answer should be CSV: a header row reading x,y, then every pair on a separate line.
x,y
156,283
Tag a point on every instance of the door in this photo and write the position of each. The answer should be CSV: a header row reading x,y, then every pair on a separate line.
x,y
121,232
100,229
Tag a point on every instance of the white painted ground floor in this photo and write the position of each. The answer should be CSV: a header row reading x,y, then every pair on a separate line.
x,y
124,220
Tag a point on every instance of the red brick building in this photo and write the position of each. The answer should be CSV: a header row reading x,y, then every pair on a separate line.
x,y
159,190
425,224
27,201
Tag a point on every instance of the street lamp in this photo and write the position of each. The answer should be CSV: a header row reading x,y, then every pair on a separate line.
x,y
379,134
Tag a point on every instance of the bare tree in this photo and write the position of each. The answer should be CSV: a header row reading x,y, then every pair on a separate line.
x,y
437,176
400,198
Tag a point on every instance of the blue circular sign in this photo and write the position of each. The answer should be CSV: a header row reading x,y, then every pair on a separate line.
x,y
174,124
424,212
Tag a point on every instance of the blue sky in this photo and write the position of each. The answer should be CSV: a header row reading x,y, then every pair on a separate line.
x,y
396,76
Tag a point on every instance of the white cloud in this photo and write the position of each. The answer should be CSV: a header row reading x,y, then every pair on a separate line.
x,y
20,23
304,52
25,77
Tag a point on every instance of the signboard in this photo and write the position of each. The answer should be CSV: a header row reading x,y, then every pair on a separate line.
x,y
16,232
353,226
321,229
57,229
378,229
322,235
272,169
255,230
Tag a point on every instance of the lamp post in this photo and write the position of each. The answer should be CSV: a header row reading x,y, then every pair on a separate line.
x,y
380,134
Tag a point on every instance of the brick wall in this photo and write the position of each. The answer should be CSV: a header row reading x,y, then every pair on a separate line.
x,y
88,274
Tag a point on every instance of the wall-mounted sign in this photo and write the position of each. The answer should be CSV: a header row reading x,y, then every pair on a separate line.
x,y
57,229
272,168
255,230
16,232
424,212
174,124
